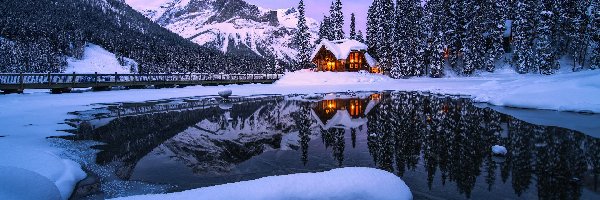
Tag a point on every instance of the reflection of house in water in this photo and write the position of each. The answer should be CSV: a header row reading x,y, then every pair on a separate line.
x,y
345,113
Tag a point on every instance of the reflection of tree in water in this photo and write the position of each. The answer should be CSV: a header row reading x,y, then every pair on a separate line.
x,y
444,134
454,136
303,121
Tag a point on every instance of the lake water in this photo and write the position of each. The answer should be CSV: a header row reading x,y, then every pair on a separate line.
x,y
439,145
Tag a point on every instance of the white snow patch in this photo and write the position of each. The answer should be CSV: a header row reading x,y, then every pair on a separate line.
x,y
97,59
350,183
63,173
17,183
499,150
225,93
303,78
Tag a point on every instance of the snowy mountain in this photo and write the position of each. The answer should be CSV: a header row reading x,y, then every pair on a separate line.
x,y
232,26
45,36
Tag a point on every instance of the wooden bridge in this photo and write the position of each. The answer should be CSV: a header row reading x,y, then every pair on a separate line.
x,y
60,83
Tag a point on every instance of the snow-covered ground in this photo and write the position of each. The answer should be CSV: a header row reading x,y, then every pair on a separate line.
x,y
97,59
27,119
344,183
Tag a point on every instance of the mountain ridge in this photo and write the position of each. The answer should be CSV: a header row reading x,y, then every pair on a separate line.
x,y
232,26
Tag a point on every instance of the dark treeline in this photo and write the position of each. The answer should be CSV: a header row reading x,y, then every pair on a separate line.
x,y
37,36
410,39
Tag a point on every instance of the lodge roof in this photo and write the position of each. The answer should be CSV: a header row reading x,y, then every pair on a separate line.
x,y
341,49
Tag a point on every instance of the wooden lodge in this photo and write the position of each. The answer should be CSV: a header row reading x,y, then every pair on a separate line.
x,y
343,56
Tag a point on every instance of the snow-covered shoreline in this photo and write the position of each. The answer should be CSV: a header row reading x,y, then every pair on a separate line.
x,y
343,183
29,118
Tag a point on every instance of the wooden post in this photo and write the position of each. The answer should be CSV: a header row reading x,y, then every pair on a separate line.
x,y
73,80
116,78
96,78
49,79
21,81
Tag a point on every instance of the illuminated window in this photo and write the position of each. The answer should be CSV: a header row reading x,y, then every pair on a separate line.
x,y
355,108
355,60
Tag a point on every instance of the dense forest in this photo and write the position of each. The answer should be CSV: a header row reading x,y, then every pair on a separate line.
x,y
410,38
38,36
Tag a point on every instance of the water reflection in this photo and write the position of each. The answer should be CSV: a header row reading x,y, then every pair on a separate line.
x,y
432,142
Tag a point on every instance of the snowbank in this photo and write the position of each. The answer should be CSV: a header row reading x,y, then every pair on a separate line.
x,y
499,150
97,59
578,92
63,173
344,183
304,78
17,183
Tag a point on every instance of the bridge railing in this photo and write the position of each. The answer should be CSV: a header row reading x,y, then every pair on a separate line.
x,y
12,79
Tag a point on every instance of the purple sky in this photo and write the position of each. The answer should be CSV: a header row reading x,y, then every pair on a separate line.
x,y
317,8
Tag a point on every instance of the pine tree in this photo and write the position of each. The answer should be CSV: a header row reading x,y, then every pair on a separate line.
x,y
352,27
474,41
453,29
385,32
523,30
407,38
577,20
302,38
595,35
360,37
337,20
324,30
433,53
494,26
373,21
544,56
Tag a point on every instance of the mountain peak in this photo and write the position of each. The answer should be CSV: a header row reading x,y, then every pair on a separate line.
x,y
232,26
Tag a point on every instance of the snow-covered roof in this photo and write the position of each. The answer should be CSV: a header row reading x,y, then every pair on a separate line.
x,y
341,49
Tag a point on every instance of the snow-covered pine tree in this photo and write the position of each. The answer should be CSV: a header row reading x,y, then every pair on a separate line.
x,y
474,43
324,30
434,52
400,40
493,26
453,27
337,20
595,35
360,36
407,38
545,57
415,34
302,38
574,26
352,27
385,32
523,32
373,21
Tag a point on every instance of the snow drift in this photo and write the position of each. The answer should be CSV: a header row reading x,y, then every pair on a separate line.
x,y
306,78
62,174
97,59
344,183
